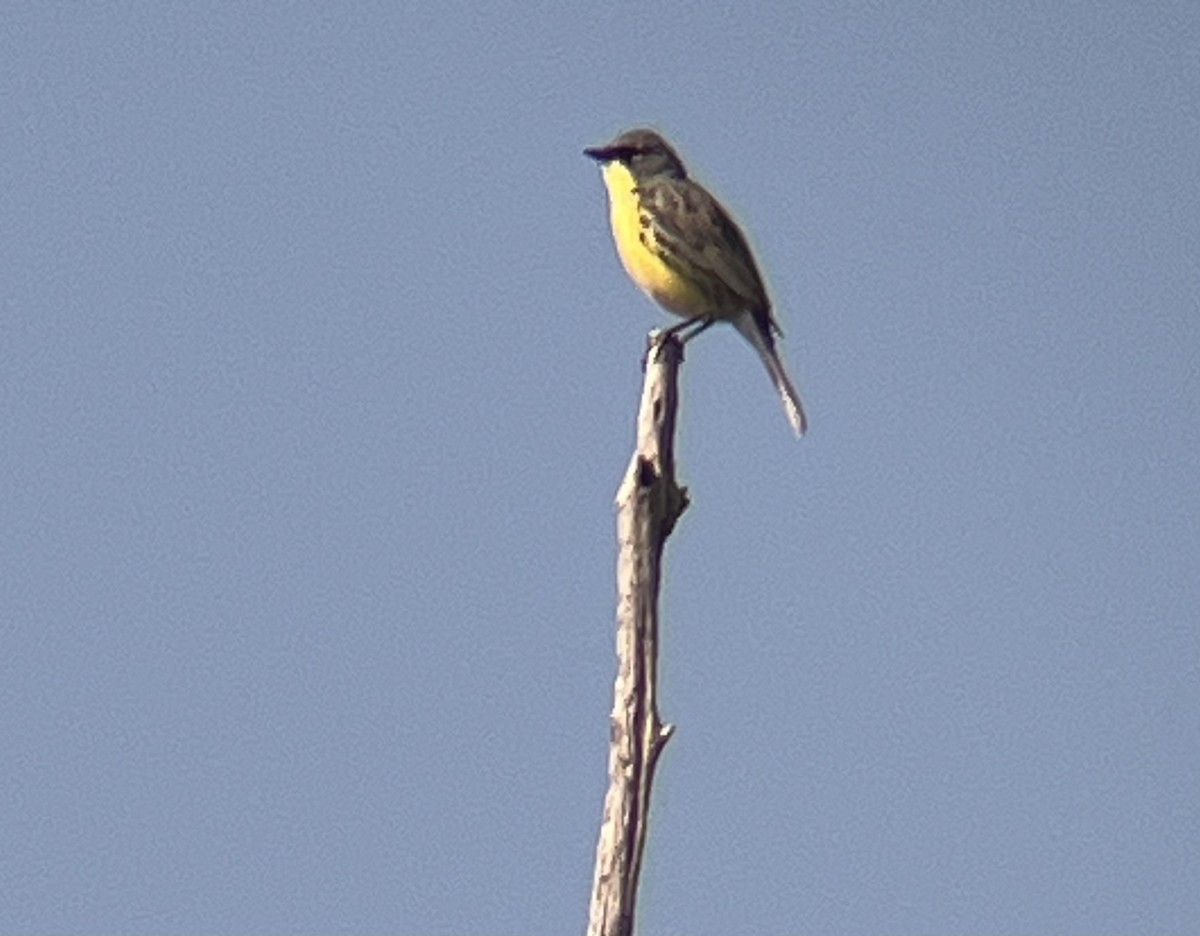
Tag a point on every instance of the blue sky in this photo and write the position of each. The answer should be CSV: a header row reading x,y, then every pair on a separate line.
x,y
317,378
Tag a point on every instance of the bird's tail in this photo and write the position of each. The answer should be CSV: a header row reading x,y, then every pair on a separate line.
x,y
760,336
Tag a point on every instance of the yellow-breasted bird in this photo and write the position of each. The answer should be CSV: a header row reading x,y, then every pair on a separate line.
x,y
686,253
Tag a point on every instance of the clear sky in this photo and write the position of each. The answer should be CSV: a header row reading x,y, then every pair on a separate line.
x,y
318,375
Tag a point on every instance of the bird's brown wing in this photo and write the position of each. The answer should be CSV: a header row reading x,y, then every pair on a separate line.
x,y
699,238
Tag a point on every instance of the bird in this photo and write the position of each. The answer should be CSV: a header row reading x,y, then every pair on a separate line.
x,y
684,250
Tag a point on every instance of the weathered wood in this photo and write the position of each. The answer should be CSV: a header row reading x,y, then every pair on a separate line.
x,y
649,502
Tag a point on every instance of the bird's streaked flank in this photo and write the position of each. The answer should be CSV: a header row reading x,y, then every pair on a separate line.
x,y
685,251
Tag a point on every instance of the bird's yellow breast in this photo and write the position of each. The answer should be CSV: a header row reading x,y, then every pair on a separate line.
x,y
636,246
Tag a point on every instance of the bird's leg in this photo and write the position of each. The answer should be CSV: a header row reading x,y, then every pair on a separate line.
x,y
674,330
701,324
675,333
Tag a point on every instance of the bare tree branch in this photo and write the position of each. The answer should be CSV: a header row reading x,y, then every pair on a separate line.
x,y
648,504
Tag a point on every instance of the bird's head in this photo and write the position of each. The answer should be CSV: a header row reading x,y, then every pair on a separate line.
x,y
643,151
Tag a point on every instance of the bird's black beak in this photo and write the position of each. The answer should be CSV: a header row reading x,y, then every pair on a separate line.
x,y
600,153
